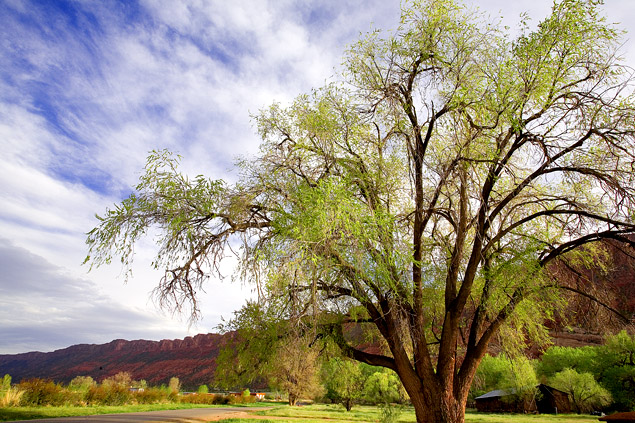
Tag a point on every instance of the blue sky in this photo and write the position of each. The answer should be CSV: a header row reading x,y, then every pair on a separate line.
x,y
87,88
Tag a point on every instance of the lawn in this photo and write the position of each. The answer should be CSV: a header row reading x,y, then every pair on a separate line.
x,y
337,414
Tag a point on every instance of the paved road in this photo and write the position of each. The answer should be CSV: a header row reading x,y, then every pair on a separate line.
x,y
194,415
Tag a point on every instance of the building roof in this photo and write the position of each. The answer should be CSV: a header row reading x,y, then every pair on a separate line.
x,y
498,393
495,394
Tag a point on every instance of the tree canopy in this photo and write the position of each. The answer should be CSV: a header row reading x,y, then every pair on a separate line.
x,y
425,192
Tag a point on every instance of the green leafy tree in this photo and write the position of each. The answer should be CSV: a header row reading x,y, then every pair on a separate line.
x,y
248,357
203,389
272,349
584,392
515,375
295,370
581,359
430,186
617,363
344,380
383,387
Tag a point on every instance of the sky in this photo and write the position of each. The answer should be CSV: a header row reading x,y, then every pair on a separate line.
x,y
88,88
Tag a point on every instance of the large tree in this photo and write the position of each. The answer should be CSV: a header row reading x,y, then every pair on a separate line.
x,y
430,187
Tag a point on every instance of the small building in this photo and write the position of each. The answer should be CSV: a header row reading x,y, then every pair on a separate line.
x,y
499,401
552,401
548,400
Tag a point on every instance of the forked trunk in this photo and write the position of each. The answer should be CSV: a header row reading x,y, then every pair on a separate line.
x,y
443,408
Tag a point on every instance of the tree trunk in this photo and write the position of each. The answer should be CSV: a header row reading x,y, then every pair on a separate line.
x,y
433,400
292,399
443,408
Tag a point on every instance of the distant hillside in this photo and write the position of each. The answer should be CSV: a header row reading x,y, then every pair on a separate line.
x,y
192,360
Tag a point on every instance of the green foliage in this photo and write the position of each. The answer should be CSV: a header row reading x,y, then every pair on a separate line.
x,y
584,392
175,203
204,398
383,387
501,372
249,356
81,383
389,413
344,380
582,359
616,360
203,389
6,383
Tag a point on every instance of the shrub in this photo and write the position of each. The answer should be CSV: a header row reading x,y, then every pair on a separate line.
x,y
203,389
109,394
81,384
122,379
241,399
175,384
151,396
221,399
200,399
10,397
41,392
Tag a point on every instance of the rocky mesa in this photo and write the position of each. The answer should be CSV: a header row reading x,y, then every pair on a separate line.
x,y
192,360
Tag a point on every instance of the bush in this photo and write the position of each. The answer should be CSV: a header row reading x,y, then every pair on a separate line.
x,y
151,396
221,399
41,392
199,399
109,394
242,399
10,397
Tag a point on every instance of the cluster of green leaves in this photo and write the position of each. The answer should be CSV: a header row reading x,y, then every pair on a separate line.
x,y
185,210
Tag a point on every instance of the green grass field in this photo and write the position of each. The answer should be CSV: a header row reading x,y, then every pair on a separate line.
x,y
303,414
30,413
337,414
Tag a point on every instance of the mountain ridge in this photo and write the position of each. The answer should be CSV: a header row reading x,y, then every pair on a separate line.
x,y
191,359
